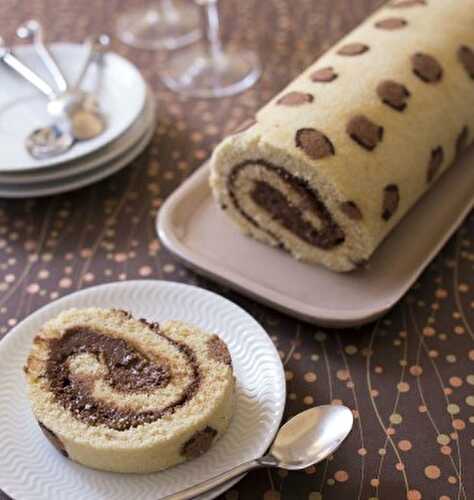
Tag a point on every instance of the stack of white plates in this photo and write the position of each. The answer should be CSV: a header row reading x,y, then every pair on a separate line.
x,y
125,100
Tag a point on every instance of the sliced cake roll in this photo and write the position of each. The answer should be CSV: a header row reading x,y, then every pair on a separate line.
x,y
120,394
329,167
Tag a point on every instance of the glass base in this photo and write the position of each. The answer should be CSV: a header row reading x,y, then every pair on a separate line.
x,y
196,73
169,24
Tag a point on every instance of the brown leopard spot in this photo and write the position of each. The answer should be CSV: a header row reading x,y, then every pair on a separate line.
x,y
351,210
391,199
218,351
314,143
324,75
365,132
295,99
393,94
353,49
391,23
406,3
199,443
466,57
245,125
53,439
436,160
426,67
461,141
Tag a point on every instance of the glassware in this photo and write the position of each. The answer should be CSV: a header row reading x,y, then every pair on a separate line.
x,y
166,24
207,69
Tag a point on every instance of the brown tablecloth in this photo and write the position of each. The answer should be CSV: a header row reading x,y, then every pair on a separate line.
x,y
409,378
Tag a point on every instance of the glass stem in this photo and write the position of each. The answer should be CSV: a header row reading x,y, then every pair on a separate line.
x,y
211,27
170,11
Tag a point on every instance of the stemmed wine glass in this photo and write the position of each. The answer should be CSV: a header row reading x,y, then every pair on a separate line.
x,y
165,24
207,69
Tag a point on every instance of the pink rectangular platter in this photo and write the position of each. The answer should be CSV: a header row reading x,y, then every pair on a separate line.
x,y
192,227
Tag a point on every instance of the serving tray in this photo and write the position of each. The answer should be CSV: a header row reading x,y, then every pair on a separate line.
x,y
193,228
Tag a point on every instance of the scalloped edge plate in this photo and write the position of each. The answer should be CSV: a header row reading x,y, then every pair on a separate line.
x,y
31,469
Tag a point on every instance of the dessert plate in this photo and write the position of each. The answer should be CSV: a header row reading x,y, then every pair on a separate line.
x,y
30,468
119,87
78,181
192,227
82,165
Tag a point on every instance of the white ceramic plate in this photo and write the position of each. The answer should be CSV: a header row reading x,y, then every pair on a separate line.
x,y
119,87
194,229
81,180
30,469
82,165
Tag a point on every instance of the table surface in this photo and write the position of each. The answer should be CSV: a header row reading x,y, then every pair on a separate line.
x,y
409,378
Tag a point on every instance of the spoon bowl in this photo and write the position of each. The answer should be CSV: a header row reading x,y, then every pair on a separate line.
x,y
311,436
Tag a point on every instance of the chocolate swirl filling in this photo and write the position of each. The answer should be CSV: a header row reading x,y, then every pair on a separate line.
x,y
272,201
128,370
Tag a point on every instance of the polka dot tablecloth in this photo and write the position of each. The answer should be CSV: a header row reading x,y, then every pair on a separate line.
x,y
409,378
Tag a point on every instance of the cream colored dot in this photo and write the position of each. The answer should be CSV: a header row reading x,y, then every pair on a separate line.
x,y
416,370
405,445
470,400
342,374
331,481
310,377
351,349
395,418
443,439
341,476
452,480
458,424
362,452
432,472
403,387
470,379
453,409
455,381
428,331
382,451
308,400
169,268
451,358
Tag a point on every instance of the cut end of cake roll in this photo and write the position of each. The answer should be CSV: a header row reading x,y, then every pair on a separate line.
x,y
124,395
331,165
283,201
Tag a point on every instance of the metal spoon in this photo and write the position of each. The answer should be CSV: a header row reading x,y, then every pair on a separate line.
x,y
32,30
46,141
306,439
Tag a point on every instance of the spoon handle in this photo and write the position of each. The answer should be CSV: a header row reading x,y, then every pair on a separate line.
x,y
95,46
28,74
34,30
214,482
